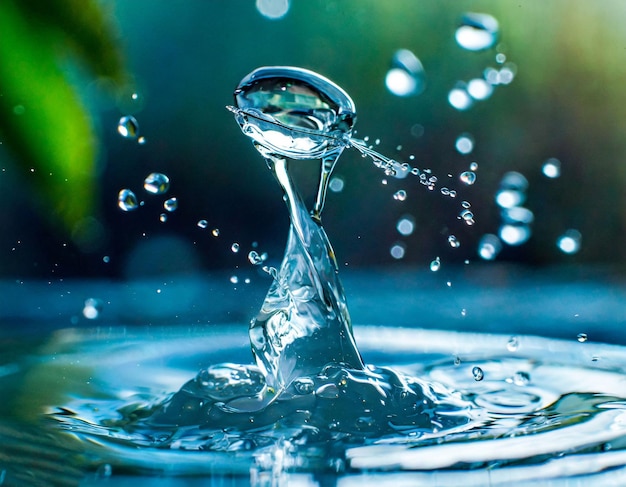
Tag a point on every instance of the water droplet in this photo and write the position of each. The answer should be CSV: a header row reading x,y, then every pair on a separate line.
x,y
478,374
509,198
445,191
106,259
463,312
156,183
254,258
489,247
273,9
514,234
569,242
464,144
507,74
304,385
454,242
452,193
128,127
514,180
581,337
400,195
397,250
457,360
435,265
479,89
406,76
477,31
500,57
234,247
466,215
405,225
551,168
202,224
459,98
127,200
518,214
215,232
163,217
513,344
234,279
92,308
336,184
473,166
521,378
170,204
466,204
468,177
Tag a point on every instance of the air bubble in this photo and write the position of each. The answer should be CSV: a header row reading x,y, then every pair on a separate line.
x,y
127,200
202,224
468,177
435,265
454,242
156,183
464,144
551,168
477,32
406,76
128,127
478,374
400,195
171,204
569,242
489,247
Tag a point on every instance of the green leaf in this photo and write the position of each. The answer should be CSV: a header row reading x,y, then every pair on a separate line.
x,y
42,119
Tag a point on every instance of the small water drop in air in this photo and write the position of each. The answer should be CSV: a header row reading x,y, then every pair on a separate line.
x,y
478,374
171,204
406,225
127,200
468,177
464,144
406,76
513,344
479,89
400,195
473,166
581,337
477,31
234,248
454,242
489,247
336,184
459,98
215,232
521,378
273,9
234,279
202,224
254,258
551,168
569,242
398,250
163,217
435,265
514,234
92,308
128,127
156,183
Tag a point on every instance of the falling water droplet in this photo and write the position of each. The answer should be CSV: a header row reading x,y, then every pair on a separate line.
x,y
406,225
514,234
156,183
234,279
581,337
400,195
127,200
517,214
521,378
478,374
202,224
466,215
273,9
464,144
473,166
468,177
163,217
477,31
171,204
454,242
569,242
551,168
500,57
489,247
435,265
92,308
406,76
234,248
128,127
459,98
254,258
215,232
479,89
397,250
466,204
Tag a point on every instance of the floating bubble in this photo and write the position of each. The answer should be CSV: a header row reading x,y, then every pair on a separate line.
x,y
405,225
92,308
202,224
156,183
459,98
406,76
234,248
127,200
551,168
479,89
514,234
336,184
464,144
435,265
273,9
478,374
569,242
513,344
477,31
468,177
581,337
518,214
128,127
454,242
489,247
171,204
398,250
400,195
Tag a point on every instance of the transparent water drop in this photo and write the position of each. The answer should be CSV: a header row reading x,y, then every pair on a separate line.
x,y
551,168
445,191
457,360
273,9
489,247
478,373
406,225
463,312
569,242
452,193
468,177
141,140
473,166
514,234
202,224
128,127
215,232
104,471
171,204
514,180
513,344
254,258
234,279
336,184
156,183
466,204
466,215
500,57
400,195
398,250
507,74
92,308
163,217
581,337
406,76
459,98
521,378
518,214
106,259
477,31
454,242
509,198
127,200
464,144
304,385
435,265
479,89
234,248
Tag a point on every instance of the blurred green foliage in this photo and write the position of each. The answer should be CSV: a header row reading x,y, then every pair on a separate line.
x,y
42,120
